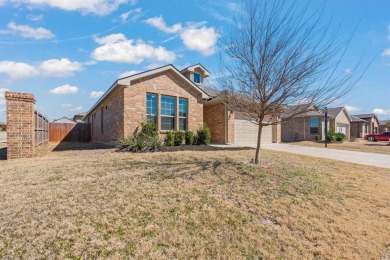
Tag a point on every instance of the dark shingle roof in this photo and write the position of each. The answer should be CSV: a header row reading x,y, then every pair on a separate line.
x,y
365,115
335,111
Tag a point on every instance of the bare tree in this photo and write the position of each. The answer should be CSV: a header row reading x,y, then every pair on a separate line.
x,y
280,54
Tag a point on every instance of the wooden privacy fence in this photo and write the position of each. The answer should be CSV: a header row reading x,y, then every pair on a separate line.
x,y
65,132
41,128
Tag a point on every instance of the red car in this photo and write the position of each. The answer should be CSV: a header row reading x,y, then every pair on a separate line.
x,y
378,137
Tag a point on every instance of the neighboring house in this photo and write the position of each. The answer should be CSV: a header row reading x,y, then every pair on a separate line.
x,y
340,120
174,100
384,126
79,117
306,126
64,120
372,119
359,127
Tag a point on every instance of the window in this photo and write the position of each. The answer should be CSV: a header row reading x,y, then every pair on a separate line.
x,y
168,112
197,78
151,107
314,125
182,114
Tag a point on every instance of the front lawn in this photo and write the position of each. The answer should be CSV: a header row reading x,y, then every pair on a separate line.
x,y
210,204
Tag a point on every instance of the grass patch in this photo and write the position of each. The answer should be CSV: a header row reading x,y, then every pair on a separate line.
x,y
97,203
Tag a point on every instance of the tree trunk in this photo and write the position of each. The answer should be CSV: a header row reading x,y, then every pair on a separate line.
x,y
257,157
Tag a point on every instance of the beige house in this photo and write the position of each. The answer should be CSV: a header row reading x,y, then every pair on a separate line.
x,y
310,125
174,100
372,126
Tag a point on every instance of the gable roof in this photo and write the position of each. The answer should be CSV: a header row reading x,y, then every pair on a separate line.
x,y
64,120
368,116
334,112
357,119
126,81
192,68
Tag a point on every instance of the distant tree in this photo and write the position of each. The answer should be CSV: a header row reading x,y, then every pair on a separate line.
x,y
282,54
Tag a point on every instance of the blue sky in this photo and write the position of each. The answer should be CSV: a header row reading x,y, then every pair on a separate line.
x,y
68,52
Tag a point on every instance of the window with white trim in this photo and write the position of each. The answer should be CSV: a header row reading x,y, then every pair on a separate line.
x,y
168,112
151,107
183,107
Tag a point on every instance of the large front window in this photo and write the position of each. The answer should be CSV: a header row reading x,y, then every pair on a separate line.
x,y
314,125
182,114
168,112
151,107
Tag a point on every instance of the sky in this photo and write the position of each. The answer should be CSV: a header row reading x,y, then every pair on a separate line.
x,y
69,52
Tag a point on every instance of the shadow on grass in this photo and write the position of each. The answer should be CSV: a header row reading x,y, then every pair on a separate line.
x,y
79,146
382,143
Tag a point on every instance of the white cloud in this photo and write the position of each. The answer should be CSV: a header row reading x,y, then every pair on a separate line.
x,y
386,52
117,48
65,89
112,38
352,109
200,39
2,97
76,108
132,15
66,105
380,111
26,31
99,7
17,70
158,22
60,67
128,73
96,94
35,18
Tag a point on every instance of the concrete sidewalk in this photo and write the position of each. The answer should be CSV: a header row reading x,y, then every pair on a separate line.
x,y
372,159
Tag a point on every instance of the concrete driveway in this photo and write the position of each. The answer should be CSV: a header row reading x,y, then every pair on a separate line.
x,y
3,137
373,159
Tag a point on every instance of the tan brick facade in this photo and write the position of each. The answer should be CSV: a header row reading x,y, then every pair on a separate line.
x,y
124,110
221,122
20,125
298,129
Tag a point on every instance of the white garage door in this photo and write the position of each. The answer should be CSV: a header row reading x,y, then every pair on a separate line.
x,y
245,133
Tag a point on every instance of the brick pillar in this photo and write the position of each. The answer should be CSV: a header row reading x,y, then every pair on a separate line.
x,y
20,125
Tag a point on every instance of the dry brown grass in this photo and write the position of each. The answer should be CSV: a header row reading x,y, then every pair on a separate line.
x,y
98,203
359,145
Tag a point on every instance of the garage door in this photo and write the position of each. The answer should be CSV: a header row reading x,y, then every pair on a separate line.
x,y
245,133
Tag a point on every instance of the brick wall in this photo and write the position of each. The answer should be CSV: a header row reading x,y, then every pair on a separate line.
x,y
214,117
298,129
20,125
165,83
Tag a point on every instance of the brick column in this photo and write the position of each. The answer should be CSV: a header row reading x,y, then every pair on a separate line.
x,y
20,125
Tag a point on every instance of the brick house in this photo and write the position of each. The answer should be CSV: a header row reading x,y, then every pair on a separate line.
x,y
306,126
359,127
373,123
174,100
384,126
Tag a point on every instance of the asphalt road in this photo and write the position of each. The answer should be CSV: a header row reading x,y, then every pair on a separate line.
x,y
372,159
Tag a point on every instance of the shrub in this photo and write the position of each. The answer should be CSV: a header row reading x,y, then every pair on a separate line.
x,y
203,135
170,138
189,137
340,137
179,138
331,136
147,140
317,137
3,128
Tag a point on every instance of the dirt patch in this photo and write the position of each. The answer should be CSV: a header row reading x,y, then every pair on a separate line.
x,y
98,203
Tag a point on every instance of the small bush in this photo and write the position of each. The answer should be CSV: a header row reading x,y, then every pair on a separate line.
x,y
340,137
189,137
317,137
170,138
331,137
203,135
179,138
3,128
147,140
